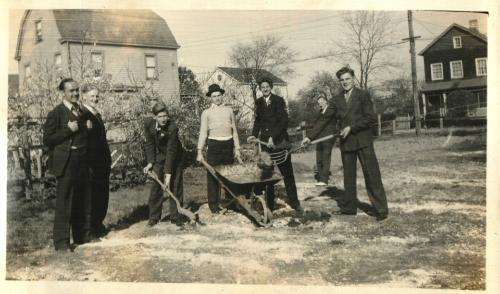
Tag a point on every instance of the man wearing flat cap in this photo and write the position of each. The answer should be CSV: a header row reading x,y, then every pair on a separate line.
x,y
164,157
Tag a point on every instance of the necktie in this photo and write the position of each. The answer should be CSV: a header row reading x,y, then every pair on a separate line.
x,y
76,110
346,96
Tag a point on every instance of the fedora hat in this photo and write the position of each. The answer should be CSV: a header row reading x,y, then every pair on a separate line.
x,y
214,88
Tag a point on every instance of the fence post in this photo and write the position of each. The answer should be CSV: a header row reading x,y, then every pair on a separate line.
x,y
379,129
441,123
393,126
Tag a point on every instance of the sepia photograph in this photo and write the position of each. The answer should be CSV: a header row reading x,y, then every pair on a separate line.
x,y
252,146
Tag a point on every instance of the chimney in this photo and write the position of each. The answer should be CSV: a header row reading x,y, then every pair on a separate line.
x,y
473,26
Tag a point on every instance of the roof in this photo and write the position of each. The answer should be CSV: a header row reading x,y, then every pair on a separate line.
x,y
454,25
455,84
141,27
244,75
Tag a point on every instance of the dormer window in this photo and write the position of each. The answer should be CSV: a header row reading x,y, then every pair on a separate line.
x,y
457,42
38,31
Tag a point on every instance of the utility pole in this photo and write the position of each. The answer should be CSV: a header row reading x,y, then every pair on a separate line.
x,y
414,72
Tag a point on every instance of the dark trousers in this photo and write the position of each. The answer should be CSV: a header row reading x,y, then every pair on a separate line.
x,y
373,180
100,198
156,194
218,153
286,169
323,160
73,202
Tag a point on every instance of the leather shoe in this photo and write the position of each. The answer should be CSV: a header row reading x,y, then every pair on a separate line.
x,y
152,223
341,212
381,217
63,249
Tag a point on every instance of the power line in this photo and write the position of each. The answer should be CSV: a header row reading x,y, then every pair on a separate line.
x,y
257,31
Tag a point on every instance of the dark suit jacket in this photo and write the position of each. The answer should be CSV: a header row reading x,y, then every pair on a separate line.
x,y
360,116
98,150
271,120
325,124
163,146
59,137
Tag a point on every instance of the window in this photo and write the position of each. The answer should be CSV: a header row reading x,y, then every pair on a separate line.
x,y
456,69
97,63
57,62
457,42
27,71
151,72
38,31
436,71
481,66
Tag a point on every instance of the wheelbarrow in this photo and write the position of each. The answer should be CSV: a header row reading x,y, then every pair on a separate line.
x,y
241,190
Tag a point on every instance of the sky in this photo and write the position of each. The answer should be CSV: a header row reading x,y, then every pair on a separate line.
x,y
206,37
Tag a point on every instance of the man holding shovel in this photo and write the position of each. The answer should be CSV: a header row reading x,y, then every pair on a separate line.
x,y
325,125
164,157
357,118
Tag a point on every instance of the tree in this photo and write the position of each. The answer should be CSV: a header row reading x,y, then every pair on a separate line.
x,y
300,109
401,101
188,83
460,102
366,39
265,52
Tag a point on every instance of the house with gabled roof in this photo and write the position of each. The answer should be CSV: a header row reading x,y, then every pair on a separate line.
x,y
456,60
133,48
238,84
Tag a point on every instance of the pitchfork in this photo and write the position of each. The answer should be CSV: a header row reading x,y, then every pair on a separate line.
x,y
279,157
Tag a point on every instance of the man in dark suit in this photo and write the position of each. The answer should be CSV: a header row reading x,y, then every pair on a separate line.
x,y
358,123
164,157
354,108
325,125
65,132
270,125
99,162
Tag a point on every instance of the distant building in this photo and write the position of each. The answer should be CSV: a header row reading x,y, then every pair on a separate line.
x,y
132,47
237,83
13,85
455,60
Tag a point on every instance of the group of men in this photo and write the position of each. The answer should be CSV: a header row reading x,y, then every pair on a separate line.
x,y
80,157
352,114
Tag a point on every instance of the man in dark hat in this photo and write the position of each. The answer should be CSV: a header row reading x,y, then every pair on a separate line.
x,y
217,131
164,157
65,132
270,125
